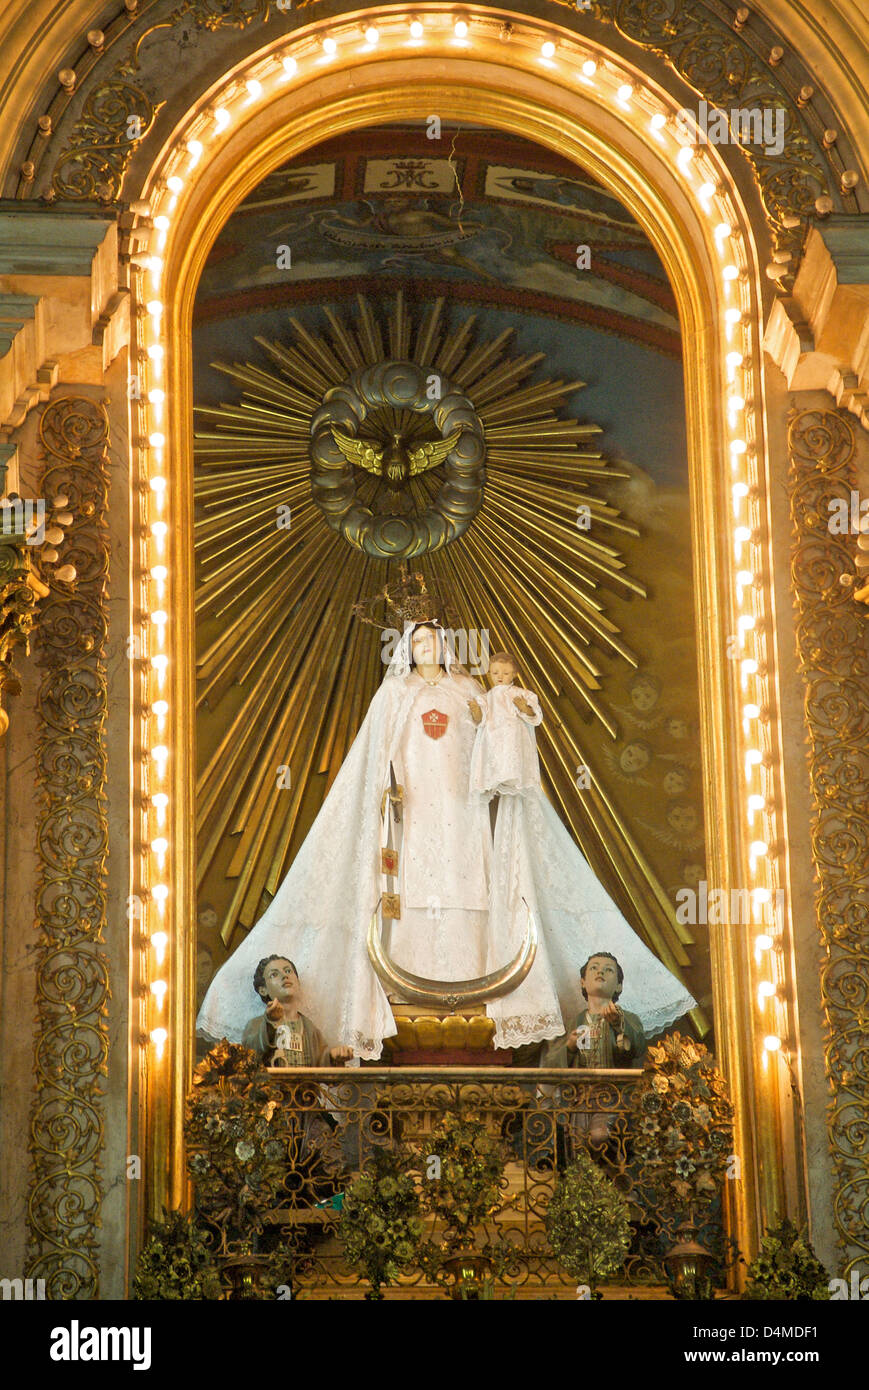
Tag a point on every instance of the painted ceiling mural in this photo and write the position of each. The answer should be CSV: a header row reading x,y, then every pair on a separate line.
x,y
538,288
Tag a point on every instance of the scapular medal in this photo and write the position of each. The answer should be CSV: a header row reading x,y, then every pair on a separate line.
x,y
435,723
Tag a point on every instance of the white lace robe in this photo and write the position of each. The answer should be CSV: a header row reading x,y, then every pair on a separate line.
x,y
320,914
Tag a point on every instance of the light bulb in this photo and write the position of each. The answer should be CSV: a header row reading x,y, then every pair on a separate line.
x,y
371,34
738,446
158,1038
766,989
763,942
154,307
740,490
625,92
734,359
160,799
706,190
743,578
730,272
156,397
158,484
159,939
160,845
155,352
772,1043
195,148
684,157
159,893
175,183
156,440
160,708
758,848
735,403
158,989
751,712
416,30
158,529
254,87
460,29
222,118
289,66
755,803
162,222
548,49
329,46
732,316
160,618
742,534
722,230
589,67
159,572
658,121
160,662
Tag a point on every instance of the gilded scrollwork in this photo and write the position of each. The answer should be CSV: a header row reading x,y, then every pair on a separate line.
x,y
67,1125
115,119
118,113
720,65
834,659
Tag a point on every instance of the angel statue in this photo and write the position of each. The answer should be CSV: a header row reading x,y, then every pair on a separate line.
x,y
459,894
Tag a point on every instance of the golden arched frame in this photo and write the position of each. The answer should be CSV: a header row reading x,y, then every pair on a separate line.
x,y
259,118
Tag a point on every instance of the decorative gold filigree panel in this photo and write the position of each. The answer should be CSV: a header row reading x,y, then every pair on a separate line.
x,y
67,1125
721,66
834,659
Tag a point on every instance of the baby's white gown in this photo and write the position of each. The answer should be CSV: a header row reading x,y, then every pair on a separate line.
x,y
504,759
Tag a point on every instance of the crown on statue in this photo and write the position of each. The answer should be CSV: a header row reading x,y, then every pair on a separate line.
x,y
407,601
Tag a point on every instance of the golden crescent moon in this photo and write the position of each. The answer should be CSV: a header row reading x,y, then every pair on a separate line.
x,y
416,989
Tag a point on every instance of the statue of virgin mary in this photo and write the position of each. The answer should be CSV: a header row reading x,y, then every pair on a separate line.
x,y
464,892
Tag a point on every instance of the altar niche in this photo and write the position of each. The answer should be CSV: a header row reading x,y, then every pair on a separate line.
x,y
690,264
460,848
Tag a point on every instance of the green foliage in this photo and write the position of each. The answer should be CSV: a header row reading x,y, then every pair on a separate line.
x,y
176,1262
682,1127
235,1132
380,1225
786,1267
467,1186
587,1222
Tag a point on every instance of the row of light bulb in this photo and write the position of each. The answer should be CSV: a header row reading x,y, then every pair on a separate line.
x,y
184,158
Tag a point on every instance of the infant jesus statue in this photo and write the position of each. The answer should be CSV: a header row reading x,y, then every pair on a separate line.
x,y
504,758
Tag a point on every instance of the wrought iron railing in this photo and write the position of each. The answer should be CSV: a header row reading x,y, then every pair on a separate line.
x,y
331,1121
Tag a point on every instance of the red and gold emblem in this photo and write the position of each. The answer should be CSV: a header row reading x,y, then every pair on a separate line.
x,y
435,723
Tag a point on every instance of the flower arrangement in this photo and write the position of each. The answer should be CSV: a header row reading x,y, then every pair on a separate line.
x,y
464,1168
380,1225
588,1223
682,1128
235,1131
786,1267
176,1262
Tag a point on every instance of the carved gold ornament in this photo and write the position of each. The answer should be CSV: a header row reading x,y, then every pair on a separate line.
x,y
401,399
67,1132
834,659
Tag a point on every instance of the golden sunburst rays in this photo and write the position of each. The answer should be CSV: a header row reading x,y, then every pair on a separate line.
x,y
285,672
